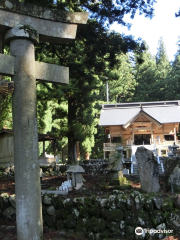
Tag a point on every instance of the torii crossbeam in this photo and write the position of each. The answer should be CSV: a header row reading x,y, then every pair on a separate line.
x,y
23,25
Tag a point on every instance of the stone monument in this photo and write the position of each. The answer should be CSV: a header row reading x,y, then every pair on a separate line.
x,y
23,26
115,167
148,170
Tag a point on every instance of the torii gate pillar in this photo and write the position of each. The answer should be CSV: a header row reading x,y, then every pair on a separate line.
x,y
27,186
22,24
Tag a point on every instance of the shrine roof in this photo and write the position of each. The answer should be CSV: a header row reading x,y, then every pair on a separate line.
x,y
122,113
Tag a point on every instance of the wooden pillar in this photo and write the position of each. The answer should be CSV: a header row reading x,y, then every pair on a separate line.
x,y
43,148
87,156
54,147
152,137
175,135
133,133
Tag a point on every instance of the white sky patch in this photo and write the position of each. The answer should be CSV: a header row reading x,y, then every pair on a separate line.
x,y
164,24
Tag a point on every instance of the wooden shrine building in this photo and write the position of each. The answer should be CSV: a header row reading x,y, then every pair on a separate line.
x,y
7,149
152,124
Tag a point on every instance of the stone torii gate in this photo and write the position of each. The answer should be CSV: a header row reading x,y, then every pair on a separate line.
x,y
22,26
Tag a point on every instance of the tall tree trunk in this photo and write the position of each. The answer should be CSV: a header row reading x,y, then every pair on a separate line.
x,y
1,77
72,154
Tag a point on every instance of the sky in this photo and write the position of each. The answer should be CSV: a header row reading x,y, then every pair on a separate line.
x,y
163,24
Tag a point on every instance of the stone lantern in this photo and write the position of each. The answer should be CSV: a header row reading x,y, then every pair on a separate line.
x,y
173,150
75,171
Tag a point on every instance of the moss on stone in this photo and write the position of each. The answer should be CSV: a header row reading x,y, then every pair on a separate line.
x,y
157,217
70,222
57,202
96,225
94,211
115,215
167,206
112,226
83,211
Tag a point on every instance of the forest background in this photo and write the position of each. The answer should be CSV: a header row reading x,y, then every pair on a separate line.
x,y
96,57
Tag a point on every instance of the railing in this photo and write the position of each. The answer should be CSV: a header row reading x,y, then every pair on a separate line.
x,y
110,145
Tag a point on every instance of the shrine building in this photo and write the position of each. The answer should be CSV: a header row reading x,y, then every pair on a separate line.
x,y
152,124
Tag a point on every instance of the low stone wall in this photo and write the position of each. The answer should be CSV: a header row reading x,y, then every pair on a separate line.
x,y
94,166
116,216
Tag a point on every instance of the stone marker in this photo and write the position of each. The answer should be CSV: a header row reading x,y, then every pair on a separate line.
x,y
23,25
115,167
174,180
148,170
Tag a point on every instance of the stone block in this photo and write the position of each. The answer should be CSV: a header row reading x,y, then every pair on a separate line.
x,y
49,31
44,12
52,73
6,65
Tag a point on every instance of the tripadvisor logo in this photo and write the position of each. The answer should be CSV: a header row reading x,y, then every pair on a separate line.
x,y
139,231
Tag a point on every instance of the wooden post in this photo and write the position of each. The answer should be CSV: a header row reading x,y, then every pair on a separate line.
x,y
152,137
175,135
54,148
133,133
43,148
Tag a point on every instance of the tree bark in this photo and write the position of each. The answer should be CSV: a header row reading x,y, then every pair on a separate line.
x,y
1,77
72,154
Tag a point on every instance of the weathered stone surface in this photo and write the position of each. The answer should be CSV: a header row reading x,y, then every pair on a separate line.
x,y
12,200
139,201
111,202
103,203
52,73
115,215
158,201
75,213
157,218
27,179
148,204
50,210
167,206
70,222
49,221
7,65
81,225
10,213
46,200
121,200
43,12
4,201
173,221
96,224
148,170
18,32
176,201
174,179
49,31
